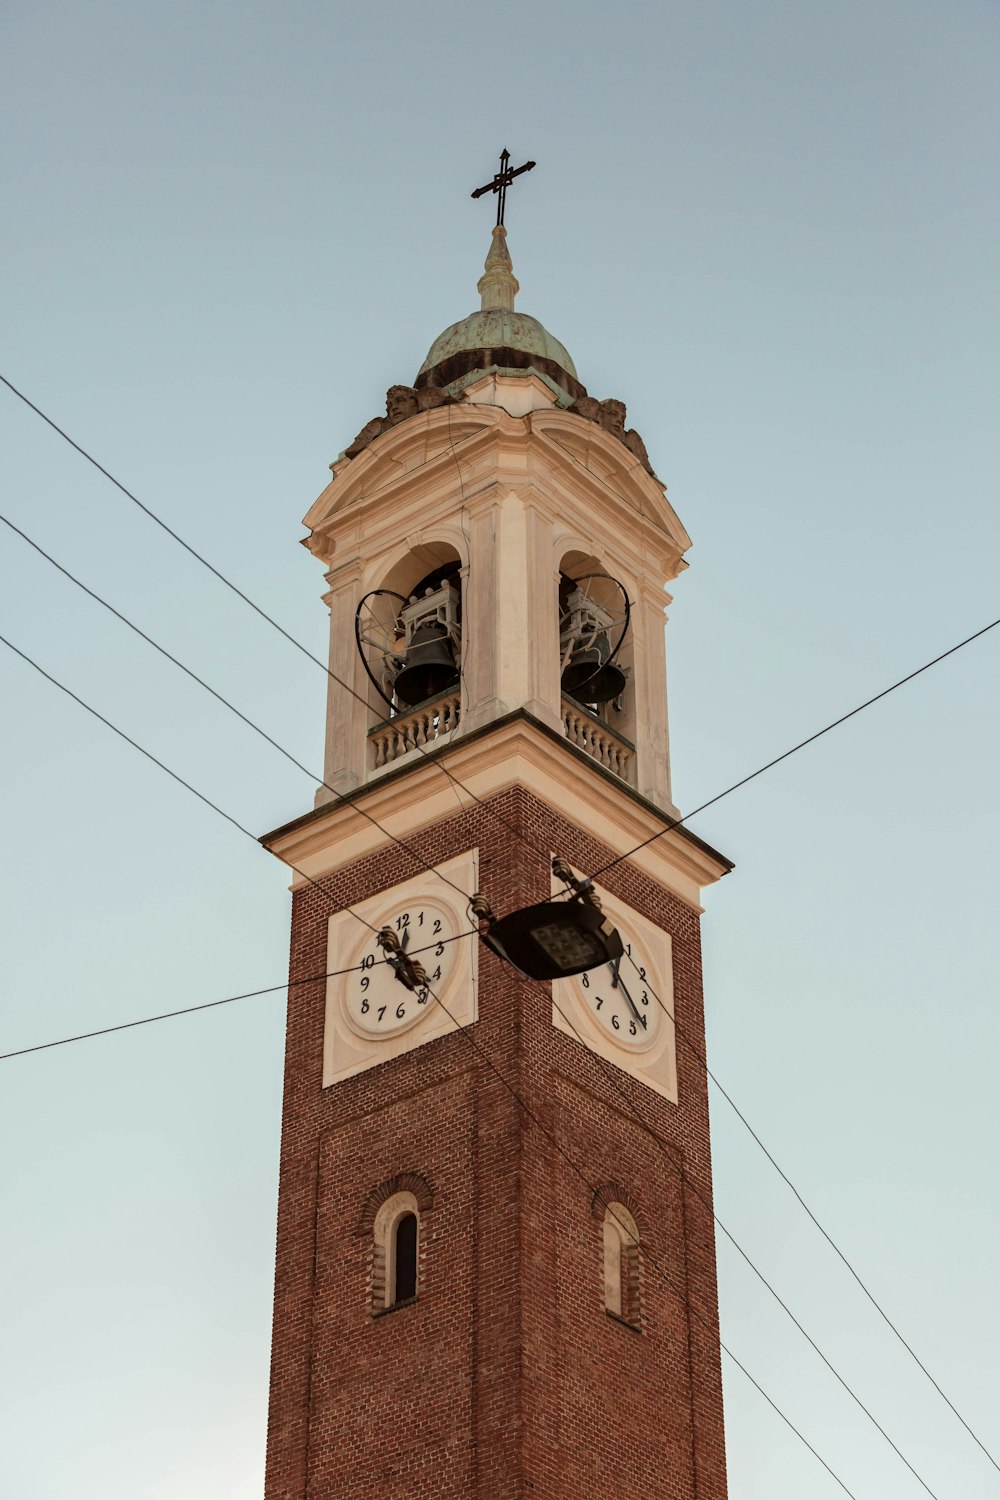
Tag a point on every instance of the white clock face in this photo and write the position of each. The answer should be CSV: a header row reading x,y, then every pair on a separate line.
x,y
376,1003
624,1011
371,1016
621,999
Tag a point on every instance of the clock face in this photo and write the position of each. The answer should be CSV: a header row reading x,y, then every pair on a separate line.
x,y
621,998
624,1011
376,1003
371,1016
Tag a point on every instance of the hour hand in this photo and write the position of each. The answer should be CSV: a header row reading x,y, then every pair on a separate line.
x,y
618,983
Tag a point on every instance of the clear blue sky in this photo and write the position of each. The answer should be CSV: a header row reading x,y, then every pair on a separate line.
x,y
772,230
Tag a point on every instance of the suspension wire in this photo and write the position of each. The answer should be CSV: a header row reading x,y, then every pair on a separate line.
x,y
220,698
129,1025
677,822
188,1010
633,1114
674,823
99,599
199,557
652,1260
702,1060
675,1163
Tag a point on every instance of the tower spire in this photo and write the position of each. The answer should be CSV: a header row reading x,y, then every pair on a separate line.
x,y
498,286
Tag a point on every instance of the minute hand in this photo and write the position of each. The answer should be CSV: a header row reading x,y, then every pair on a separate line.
x,y
618,983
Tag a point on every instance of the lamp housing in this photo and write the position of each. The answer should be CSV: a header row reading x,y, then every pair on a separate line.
x,y
555,939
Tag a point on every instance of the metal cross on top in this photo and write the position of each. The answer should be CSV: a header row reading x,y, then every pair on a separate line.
x,y
502,182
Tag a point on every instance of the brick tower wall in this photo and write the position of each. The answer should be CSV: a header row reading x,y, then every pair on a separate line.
x,y
506,1377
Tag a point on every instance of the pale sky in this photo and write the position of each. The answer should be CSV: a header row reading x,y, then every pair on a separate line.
x,y
772,230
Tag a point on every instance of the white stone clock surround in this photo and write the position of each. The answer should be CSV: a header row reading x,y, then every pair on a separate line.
x,y
351,1041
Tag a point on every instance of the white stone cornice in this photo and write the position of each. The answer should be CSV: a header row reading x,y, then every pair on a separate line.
x,y
517,752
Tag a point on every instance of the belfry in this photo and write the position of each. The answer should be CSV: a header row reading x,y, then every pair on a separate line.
x,y
495,1262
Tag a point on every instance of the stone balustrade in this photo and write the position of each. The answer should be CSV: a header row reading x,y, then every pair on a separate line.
x,y
418,726
590,734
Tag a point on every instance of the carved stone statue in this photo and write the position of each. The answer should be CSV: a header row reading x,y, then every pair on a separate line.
x,y
401,402
635,444
612,418
610,415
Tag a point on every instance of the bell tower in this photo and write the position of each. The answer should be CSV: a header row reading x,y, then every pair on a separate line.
x,y
495,1265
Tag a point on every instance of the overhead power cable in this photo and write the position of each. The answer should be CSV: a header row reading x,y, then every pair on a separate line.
x,y
323,666
702,1060
234,588
810,739
190,1010
603,869
644,1250
220,698
160,764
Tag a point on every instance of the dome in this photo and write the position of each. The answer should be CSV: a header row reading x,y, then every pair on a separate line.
x,y
497,337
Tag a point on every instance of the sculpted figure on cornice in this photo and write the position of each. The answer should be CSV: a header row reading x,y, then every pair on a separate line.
x,y
401,402
610,415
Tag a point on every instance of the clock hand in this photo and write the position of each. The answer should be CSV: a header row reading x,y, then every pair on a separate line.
x,y
618,983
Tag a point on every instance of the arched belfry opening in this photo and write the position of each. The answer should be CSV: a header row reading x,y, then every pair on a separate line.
x,y
594,611
408,632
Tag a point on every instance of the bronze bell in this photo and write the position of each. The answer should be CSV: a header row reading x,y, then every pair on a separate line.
x,y
429,665
585,676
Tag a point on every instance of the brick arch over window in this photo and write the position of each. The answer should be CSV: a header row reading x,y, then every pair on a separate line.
x,y
404,1182
613,1192
614,1208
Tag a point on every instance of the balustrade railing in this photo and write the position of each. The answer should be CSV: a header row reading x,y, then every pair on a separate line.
x,y
418,726
589,734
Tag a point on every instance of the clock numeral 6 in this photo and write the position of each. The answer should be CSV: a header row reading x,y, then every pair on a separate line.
x,y
400,1012
616,1023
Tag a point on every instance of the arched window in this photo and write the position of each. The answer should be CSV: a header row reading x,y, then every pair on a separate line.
x,y
396,1251
621,1264
392,1221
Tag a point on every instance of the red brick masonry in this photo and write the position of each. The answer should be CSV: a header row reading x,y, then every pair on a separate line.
x,y
506,1378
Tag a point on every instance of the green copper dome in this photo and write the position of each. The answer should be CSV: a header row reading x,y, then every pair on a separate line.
x,y
498,338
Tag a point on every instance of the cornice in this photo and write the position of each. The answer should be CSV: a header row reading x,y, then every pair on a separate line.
x,y
517,750
543,454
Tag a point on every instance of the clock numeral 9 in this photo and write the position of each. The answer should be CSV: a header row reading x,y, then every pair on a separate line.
x,y
365,982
